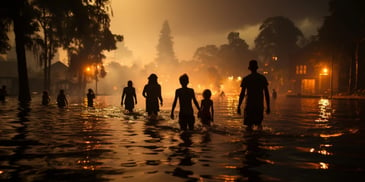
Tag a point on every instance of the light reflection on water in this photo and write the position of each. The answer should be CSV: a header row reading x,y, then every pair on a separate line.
x,y
303,139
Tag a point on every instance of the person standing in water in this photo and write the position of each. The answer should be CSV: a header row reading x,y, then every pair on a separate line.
x,y
90,97
129,97
3,93
45,98
185,96
255,87
61,99
152,93
274,93
206,112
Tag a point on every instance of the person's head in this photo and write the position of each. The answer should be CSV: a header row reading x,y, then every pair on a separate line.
x,y
4,87
62,91
90,90
184,80
253,66
45,92
130,83
207,94
152,78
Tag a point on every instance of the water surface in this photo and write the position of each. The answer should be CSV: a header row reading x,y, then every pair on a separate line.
x,y
304,139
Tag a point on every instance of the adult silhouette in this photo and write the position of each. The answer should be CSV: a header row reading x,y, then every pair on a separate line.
x,y
61,99
3,93
90,97
152,93
129,97
254,86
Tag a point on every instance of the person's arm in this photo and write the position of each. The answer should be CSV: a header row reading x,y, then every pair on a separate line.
x,y
173,106
134,95
267,98
144,93
196,102
160,96
240,100
123,95
66,101
212,111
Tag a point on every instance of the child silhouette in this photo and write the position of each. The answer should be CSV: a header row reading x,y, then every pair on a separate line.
x,y
206,109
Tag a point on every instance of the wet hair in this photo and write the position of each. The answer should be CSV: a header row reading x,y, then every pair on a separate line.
x,y
184,79
207,94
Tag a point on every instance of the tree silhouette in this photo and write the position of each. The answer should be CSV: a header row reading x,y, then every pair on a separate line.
x,y
79,26
234,55
277,42
165,50
19,14
344,32
228,58
278,36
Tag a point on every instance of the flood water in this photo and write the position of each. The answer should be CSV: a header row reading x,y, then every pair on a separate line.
x,y
304,139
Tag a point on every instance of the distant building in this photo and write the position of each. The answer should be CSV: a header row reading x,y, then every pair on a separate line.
x,y
9,77
59,77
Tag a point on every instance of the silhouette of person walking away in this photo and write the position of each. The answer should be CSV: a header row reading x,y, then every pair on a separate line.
x,y
90,97
274,93
3,93
256,86
45,98
186,96
61,99
129,97
206,112
152,93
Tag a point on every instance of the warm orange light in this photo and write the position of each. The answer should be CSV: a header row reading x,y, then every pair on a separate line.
x,y
324,71
88,69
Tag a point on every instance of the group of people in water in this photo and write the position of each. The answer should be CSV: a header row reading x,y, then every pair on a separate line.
x,y
185,96
254,87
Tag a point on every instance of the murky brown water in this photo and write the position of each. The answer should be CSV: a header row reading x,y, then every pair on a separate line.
x,y
303,140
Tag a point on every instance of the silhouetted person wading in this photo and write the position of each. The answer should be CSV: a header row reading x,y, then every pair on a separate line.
x,y
152,93
129,97
185,96
254,86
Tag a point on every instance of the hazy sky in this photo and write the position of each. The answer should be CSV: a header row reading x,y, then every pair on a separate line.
x,y
196,23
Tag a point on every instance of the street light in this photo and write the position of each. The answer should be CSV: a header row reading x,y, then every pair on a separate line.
x,y
94,69
324,82
324,72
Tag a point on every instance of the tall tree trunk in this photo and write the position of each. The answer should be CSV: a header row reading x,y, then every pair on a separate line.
x,y
357,46
45,61
24,94
49,60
